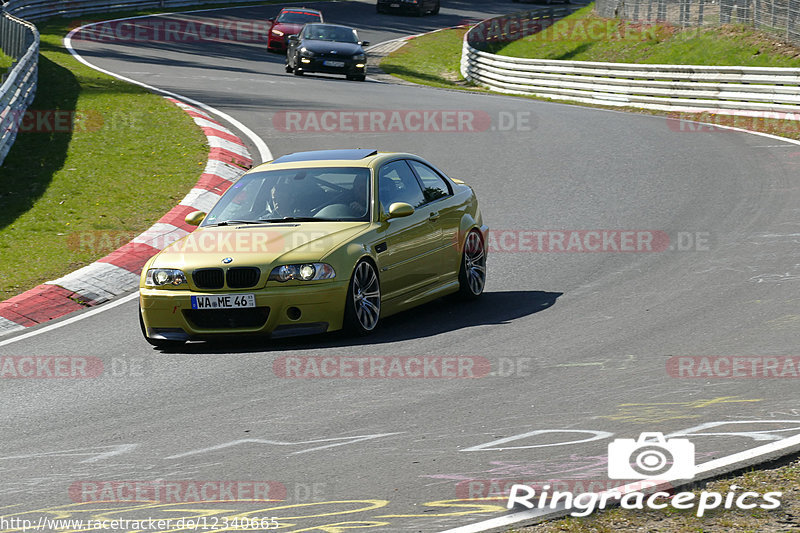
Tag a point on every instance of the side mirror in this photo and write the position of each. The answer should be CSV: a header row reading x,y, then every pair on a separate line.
x,y
399,210
364,43
271,20
294,37
195,218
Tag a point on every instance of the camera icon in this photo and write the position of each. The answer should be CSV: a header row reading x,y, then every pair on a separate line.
x,y
643,458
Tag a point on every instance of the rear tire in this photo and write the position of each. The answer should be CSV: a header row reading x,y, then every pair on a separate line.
x,y
436,9
472,274
362,308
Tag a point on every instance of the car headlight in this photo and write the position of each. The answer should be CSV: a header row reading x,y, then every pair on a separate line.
x,y
359,57
303,272
158,277
279,33
306,52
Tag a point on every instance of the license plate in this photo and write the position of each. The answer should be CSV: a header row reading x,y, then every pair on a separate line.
x,y
333,63
394,5
224,301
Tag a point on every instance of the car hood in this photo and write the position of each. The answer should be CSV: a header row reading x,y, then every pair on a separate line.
x,y
288,28
326,47
261,245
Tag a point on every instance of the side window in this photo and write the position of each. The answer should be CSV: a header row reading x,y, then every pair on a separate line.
x,y
433,184
396,183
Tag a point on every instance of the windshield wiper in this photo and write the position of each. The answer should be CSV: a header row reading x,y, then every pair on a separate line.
x,y
234,222
297,219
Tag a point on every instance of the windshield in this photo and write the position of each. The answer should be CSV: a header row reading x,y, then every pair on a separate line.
x,y
298,17
323,32
309,194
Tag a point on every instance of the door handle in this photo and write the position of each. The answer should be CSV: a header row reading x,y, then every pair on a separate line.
x,y
434,215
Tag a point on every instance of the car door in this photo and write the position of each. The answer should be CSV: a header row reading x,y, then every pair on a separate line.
x,y
439,199
406,245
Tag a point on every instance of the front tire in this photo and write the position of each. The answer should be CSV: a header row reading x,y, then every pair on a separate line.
x,y
472,274
363,305
436,9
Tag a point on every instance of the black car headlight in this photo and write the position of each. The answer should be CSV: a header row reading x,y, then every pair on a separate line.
x,y
360,57
159,277
303,272
305,52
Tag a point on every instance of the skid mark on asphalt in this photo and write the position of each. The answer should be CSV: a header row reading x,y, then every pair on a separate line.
x,y
664,411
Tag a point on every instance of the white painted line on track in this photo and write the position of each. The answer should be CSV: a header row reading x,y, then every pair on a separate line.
x,y
502,522
261,146
92,312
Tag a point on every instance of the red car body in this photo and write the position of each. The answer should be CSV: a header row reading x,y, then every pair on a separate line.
x,y
289,22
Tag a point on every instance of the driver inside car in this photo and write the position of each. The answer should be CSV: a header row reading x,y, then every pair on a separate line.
x,y
283,201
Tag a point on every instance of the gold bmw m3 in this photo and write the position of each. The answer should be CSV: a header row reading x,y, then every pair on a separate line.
x,y
314,242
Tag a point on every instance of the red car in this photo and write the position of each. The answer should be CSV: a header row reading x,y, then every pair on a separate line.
x,y
289,22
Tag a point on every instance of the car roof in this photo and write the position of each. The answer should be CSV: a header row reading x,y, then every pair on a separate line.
x,y
328,25
302,10
359,157
317,155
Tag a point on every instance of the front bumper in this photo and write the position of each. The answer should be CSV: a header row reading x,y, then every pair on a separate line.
x,y
168,314
317,64
276,44
397,5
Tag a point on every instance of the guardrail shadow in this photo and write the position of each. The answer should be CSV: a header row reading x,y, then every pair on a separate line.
x,y
36,156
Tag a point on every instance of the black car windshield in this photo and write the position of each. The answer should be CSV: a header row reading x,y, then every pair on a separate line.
x,y
298,17
305,194
325,32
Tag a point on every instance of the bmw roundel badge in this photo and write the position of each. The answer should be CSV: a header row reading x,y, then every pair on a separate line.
x,y
228,260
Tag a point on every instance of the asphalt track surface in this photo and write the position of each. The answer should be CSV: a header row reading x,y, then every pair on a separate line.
x,y
588,335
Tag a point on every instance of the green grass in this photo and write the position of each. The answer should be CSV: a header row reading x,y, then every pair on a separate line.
x,y
585,37
431,59
67,199
434,59
5,62
131,156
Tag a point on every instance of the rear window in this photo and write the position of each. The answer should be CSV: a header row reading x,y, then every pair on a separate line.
x,y
298,17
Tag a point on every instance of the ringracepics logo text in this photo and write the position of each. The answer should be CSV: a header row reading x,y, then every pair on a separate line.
x,y
651,457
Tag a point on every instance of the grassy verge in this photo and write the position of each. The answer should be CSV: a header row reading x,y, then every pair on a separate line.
x,y
584,36
5,62
434,59
785,479
127,158
69,196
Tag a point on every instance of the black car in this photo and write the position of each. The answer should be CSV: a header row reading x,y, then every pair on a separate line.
x,y
417,7
327,48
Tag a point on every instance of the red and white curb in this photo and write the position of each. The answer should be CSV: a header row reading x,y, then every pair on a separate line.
x,y
118,272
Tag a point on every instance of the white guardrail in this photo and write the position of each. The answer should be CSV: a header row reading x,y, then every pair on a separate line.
x,y
732,90
20,40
